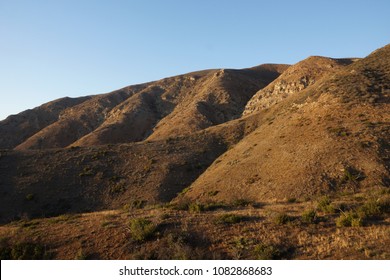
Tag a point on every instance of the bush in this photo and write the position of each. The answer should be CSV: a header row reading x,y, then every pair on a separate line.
x,y
87,171
282,218
374,208
309,216
291,200
349,219
138,204
195,207
80,255
370,209
240,202
325,205
142,229
117,189
266,252
228,219
351,174
23,251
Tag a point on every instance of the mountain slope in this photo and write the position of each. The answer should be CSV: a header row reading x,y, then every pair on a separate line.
x,y
332,136
298,77
78,120
17,128
172,106
221,162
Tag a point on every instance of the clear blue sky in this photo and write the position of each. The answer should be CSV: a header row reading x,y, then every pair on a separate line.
x,y
52,49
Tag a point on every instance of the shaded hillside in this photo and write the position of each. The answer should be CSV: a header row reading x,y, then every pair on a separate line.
x,y
54,182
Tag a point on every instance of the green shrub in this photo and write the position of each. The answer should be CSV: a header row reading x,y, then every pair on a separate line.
x,y
142,229
370,209
23,251
266,252
349,219
195,207
352,175
228,219
81,255
384,204
325,205
241,202
374,208
180,205
282,218
138,204
118,188
309,216
214,205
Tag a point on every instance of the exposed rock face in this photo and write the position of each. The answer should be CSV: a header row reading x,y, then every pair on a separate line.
x,y
293,80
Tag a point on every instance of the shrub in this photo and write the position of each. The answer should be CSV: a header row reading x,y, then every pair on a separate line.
x,y
214,205
138,204
325,205
228,219
309,216
23,251
142,229
374,208
240,202
117,189
370,209
266,252
180,205
87,171
29,197
282,218
195,207
81,255
291,200
349,219
352,175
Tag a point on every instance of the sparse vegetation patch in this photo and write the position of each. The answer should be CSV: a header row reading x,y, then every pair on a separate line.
x,y
142,229
228,219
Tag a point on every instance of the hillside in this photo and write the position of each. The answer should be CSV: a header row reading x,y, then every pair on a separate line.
x,y
297,78
312,141
169,107
267,145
